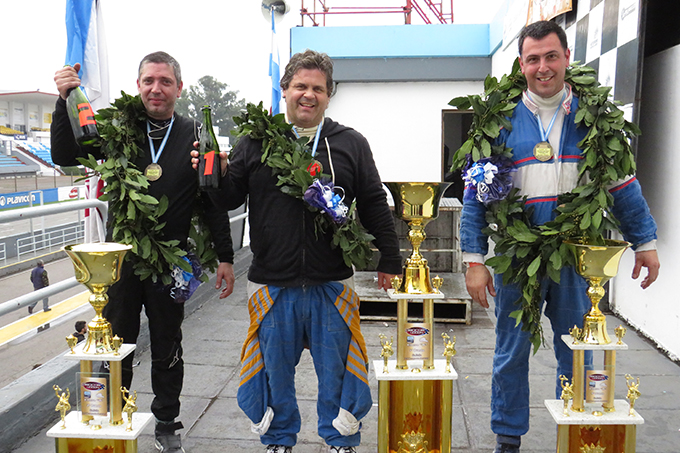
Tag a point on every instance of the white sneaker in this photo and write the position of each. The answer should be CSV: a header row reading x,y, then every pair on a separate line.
x,y
332,449
279,449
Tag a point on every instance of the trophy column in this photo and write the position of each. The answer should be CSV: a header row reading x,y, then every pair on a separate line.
x,y
595,422
415,390
97,424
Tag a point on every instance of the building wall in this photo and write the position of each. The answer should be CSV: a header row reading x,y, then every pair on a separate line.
x,y
656,310
402,122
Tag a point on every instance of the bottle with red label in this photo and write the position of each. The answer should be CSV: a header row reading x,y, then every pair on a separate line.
x,y
81,115
209,167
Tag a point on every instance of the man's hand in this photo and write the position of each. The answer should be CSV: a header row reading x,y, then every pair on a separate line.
x,y
194,159
225,272
650,260
478,280
385,280
67,78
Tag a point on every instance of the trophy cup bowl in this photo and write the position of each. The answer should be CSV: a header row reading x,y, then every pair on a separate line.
x,y
416,203
597,264
97,266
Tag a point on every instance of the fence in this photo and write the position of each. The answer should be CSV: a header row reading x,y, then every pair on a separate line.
x,y
45,241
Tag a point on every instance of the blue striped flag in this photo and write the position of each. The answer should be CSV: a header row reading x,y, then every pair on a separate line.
x,y
86,44
274,71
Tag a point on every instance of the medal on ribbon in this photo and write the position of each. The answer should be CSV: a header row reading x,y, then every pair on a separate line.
x,y
543,151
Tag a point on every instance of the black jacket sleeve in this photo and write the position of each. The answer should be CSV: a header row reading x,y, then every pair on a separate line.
x,y
220,229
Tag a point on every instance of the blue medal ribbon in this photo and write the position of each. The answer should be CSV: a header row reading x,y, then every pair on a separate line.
x,y
155,156
316,137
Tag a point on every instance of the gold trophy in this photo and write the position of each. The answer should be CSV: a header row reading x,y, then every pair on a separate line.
x,y
416,203
595,423
415,403
97,266
597,264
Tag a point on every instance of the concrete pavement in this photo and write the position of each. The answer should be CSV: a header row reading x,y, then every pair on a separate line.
x,y
213,333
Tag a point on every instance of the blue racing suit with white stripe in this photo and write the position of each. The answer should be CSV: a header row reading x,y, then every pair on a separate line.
x,y
565,303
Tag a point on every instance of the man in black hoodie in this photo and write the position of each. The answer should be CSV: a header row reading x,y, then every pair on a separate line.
x,y
164,137
299,285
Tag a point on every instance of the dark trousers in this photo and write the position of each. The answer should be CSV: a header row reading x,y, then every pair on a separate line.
x,y
126,299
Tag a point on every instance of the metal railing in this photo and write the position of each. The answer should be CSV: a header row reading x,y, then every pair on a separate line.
x,y
27,213
32,212
47,240
3,253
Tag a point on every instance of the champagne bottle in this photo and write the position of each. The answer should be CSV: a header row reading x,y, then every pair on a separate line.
x,y
209,167
81,115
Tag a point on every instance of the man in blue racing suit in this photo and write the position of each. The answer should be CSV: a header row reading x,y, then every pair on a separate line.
x,y
545,112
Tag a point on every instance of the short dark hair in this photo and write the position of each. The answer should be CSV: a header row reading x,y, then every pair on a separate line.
x,y
541,29
309,59
80,325
162,57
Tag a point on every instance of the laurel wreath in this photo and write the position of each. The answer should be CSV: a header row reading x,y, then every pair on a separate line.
x,y
527,254
291,160
135,215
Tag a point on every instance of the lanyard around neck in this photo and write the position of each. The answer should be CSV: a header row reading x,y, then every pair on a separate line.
x,y
155,156
546,133
316,137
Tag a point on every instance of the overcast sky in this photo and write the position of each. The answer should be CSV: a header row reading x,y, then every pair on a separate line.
x,y
227,39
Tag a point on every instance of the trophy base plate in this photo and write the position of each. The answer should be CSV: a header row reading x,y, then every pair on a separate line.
x,y
619,416
75,429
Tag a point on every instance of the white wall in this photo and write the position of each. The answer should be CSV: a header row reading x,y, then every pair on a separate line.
x,y
656,310
402,122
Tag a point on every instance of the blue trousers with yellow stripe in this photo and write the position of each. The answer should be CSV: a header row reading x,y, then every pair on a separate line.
x,y
284,321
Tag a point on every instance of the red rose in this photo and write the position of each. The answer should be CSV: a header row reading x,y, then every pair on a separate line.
x,y
315,168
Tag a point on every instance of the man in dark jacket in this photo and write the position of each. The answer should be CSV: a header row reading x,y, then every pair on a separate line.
x,y
39,280
170,137
300,288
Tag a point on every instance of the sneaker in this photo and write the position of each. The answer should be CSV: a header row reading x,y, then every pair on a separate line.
x,y
169,443
47,309
30,310
332,449
166,439
279,449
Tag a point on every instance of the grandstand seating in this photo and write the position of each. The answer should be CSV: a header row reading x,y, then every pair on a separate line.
x,y
39,149
10,161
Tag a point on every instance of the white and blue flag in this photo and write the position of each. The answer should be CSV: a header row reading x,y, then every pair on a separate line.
x,y
274,71
86,44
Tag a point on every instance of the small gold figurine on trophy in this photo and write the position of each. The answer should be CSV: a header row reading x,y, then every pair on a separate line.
x,y
633,392
620,332
387,351
592,448
116,343
130,405
396,281
72,342
63,405
567,393
437,283
449,349
575,333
